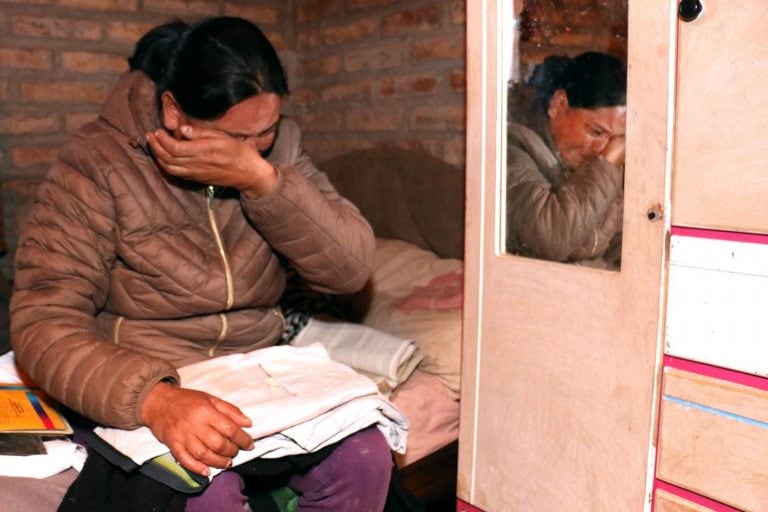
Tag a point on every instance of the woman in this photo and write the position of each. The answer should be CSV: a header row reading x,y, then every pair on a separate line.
x,y
160,238
565,166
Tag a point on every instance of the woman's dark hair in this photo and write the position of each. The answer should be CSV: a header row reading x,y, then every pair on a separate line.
x,y
211,65
590,80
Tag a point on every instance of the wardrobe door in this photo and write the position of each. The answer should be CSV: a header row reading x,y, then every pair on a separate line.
x,y
560,362
721,149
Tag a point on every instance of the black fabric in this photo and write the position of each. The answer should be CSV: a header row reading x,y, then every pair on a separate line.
x,y
399,499
299,303
104,487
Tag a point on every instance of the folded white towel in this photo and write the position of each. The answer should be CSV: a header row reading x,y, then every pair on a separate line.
x,y
377,354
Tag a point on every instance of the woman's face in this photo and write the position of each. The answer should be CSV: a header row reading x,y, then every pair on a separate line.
x,y
253,120
581,134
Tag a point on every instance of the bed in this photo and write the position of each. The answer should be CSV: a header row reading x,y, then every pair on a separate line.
x,y
415,204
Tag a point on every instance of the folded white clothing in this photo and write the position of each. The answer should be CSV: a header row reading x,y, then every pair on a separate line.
x,y
9,372
299,400
61,455
375,353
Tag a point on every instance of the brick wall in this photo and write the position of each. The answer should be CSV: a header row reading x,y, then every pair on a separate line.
x,y
362,72
570,27
381,73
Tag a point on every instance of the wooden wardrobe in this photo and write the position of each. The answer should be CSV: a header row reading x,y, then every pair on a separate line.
x,y
646,388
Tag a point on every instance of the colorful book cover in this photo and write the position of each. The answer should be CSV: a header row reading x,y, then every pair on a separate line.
x,y
25,409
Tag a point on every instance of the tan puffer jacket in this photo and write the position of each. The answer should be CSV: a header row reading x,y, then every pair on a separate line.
x,y
124,273
558,214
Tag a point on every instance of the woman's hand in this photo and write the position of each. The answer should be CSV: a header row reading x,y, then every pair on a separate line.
x,y
212,157
201,430
615,150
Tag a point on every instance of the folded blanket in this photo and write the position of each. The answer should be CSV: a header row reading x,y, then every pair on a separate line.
x,y
298,399
381,356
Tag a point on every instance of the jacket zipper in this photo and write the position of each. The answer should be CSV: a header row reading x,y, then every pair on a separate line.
x,y
211,191
116,331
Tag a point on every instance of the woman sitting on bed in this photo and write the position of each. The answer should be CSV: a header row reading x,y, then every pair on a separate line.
x,y
158,239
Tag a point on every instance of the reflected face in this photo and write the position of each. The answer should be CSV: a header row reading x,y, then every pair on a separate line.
x,y
581,134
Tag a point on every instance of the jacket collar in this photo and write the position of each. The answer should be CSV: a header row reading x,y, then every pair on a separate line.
x,y
131,108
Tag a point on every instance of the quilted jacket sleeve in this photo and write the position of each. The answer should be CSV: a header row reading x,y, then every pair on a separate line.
x,y
61,279
574,219
323,235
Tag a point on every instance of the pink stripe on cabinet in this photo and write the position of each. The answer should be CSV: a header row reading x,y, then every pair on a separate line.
x,y
716,372
713,234
698,499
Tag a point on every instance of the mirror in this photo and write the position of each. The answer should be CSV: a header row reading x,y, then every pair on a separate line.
x,y
565,120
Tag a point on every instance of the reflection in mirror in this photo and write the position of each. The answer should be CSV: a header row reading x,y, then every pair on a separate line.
x,y
565,131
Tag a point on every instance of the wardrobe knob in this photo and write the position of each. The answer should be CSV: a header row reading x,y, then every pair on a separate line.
x,y
689,10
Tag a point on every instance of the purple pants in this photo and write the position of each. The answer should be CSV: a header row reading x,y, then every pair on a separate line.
x,y
354,478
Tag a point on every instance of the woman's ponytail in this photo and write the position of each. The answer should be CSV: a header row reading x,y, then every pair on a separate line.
x,y
549,76
155,51
590,80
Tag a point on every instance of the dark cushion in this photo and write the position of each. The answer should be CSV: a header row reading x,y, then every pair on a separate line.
x,y
405,194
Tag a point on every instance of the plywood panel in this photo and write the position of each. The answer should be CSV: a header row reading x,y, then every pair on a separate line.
x,y
725,395
559,360
712,440
667,502
717,298
721,151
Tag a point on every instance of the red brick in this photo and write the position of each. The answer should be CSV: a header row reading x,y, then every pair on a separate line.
x,y
374,58
90,62
183,7
581,40
318,10
408,86
424,84
459,12
438,118
39,26
259,14
367,4
67,92
458,79
26,58
387,88
29,2
375,119
323,66
308,39
27,156
347,91
101,5
3,89
351,32
276,39
427,18
127,32
315,120
441,47
18,123
303,96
